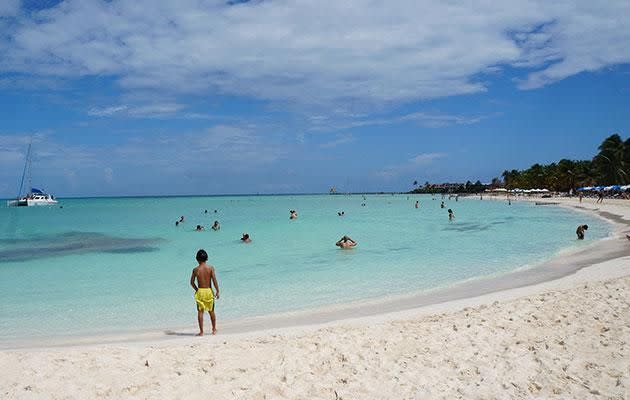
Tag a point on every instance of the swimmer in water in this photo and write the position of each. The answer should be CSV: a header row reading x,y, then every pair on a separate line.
x,y
580,231
200,228
181,219
417,204
216,226
245,238
442,205
451,215
293,214
346,242
176,223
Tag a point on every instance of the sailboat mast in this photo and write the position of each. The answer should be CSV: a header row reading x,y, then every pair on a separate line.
x,y
26,164
30,170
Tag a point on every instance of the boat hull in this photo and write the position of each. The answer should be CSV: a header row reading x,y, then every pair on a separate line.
x,y
32,202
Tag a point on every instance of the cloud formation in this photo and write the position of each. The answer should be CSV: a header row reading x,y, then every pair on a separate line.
x,y
147,110
338,141
9,8
179,158
411,165
319,52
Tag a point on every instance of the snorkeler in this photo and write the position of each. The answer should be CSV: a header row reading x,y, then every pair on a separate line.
x,y
580,231
346,242
216,226
245,238
451,215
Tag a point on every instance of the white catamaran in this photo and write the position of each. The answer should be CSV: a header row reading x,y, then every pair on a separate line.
x,y
34,197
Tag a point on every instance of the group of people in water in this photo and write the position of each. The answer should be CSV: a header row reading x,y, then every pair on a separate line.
x,y
204,281
451,214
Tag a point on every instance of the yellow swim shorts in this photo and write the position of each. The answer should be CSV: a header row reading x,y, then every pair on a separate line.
x,y
205,299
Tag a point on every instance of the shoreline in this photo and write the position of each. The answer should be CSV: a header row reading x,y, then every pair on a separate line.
x,y
505,286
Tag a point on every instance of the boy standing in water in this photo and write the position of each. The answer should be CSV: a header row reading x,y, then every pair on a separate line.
x,y
205,277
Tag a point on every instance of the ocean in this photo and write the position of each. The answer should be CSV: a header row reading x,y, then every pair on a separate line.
x,y
107,265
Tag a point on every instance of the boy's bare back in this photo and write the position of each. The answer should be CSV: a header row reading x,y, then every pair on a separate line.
x,y
204,274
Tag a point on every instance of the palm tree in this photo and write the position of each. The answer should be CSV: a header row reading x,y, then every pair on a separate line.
x,y
566,175
610,162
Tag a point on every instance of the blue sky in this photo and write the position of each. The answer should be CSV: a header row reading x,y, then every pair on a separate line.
x,y
209,97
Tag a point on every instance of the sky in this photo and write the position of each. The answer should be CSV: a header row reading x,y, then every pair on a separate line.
x,y
176,97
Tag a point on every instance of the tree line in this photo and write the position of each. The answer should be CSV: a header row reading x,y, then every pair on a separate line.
x,y
610,166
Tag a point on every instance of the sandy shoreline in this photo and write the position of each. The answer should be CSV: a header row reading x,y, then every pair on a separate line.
x,y
559,334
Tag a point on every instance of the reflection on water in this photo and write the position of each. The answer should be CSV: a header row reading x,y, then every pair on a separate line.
x,y
71,243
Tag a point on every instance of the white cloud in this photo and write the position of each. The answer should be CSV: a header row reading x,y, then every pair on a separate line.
x,y
425,119
147,110
320,52
9,8
338,141
426,158
228,151
106,111
411,165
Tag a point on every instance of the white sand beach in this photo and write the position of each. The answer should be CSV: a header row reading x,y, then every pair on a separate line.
x,y
561,338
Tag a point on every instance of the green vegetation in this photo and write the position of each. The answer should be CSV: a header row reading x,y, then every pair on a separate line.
x,y
611,166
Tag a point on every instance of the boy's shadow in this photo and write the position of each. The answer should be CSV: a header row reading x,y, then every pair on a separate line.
x,y
173,333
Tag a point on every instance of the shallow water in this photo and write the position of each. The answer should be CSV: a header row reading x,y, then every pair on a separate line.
x,y
116,264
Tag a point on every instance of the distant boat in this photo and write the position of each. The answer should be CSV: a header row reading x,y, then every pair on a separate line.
x,y
34,196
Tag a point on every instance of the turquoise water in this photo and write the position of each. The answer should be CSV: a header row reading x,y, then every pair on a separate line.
x,y
117,264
